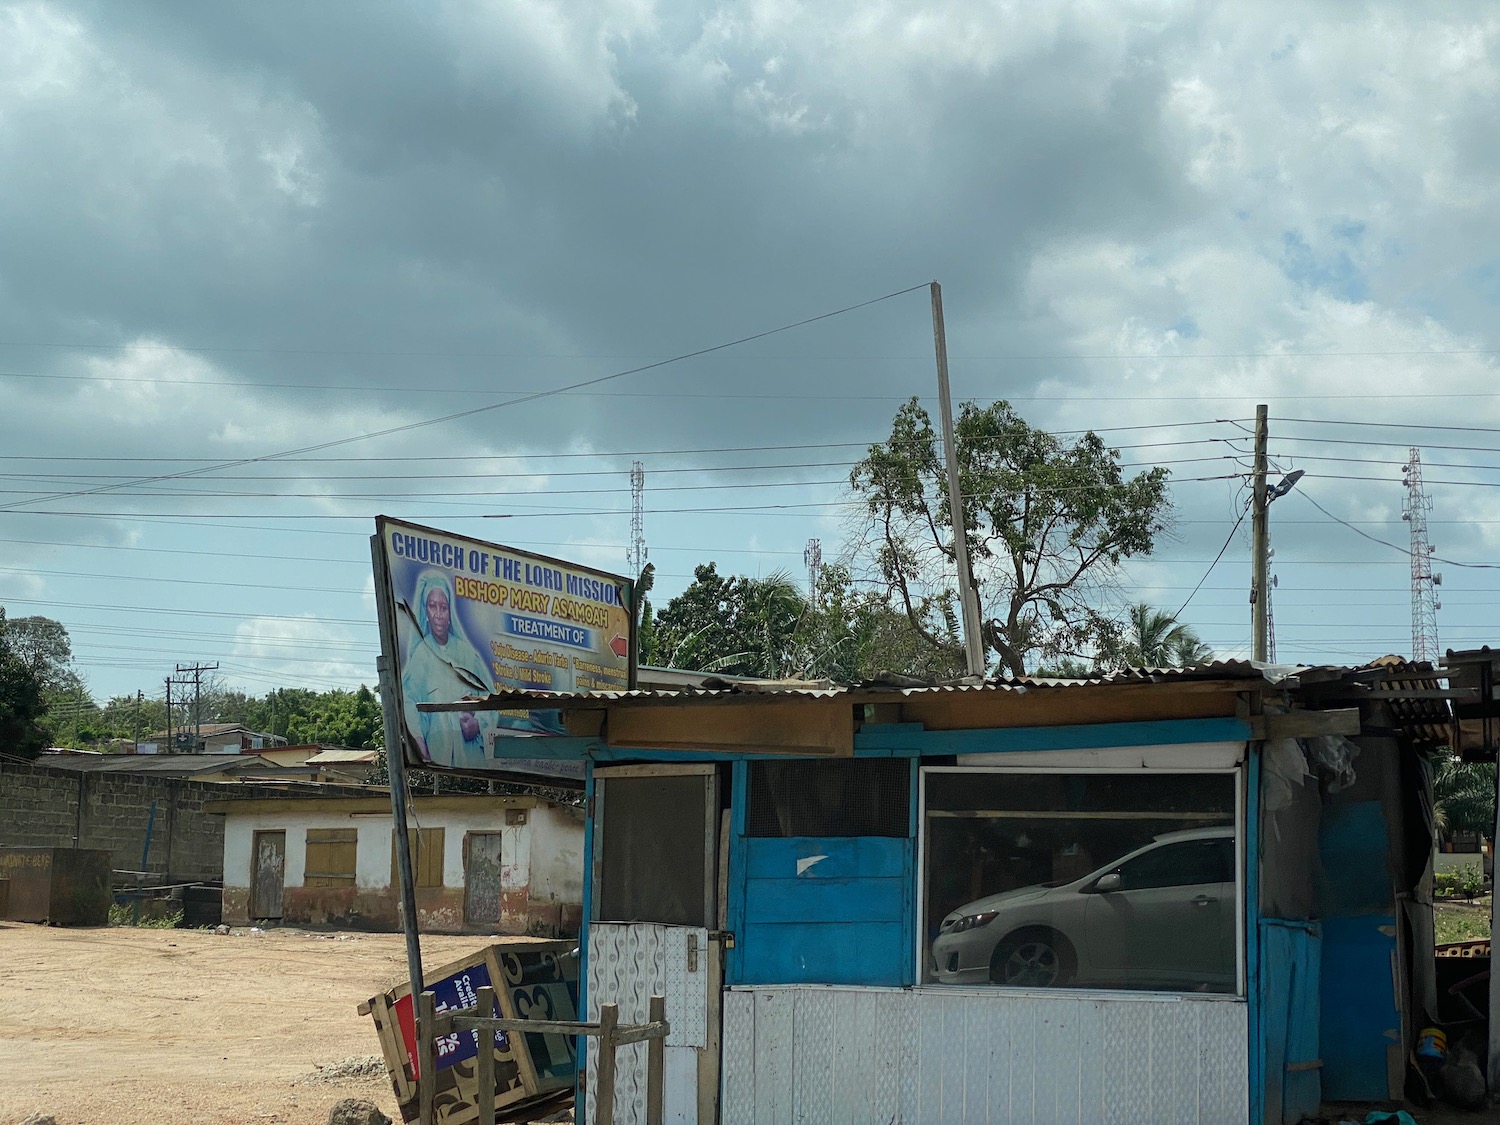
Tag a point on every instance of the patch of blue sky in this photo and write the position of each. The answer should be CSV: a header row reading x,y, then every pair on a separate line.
x,y
1350,230
1186,328
1485,282
1334,272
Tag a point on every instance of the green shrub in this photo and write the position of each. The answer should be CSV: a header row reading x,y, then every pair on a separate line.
x,y
1464,882
122,914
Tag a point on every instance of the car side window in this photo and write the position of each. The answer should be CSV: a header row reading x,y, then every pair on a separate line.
x,y
1184,864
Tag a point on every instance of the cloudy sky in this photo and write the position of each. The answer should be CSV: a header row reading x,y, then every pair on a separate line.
x,y
236,231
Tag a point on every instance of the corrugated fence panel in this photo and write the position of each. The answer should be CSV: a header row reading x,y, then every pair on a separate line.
x,y
775,1043
628,964
816,1054
738,1101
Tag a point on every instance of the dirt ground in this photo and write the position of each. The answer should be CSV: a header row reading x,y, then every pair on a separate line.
x,y
159,1027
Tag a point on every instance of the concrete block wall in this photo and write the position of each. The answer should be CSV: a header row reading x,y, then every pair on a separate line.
x,y
42,806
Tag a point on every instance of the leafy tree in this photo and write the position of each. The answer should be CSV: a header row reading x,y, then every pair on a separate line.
x,y
342,718
766,627
851,634
722,624
23,703
44,646
127,716
1047,526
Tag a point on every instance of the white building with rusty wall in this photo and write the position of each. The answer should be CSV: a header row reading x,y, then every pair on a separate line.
x,y
483,863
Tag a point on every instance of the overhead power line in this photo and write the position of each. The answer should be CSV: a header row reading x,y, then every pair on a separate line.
x,y
472,411
1227,540
1388,425
1387,543
471,458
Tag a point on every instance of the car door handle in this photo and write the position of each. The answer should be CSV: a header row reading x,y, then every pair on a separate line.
x,y
1203,900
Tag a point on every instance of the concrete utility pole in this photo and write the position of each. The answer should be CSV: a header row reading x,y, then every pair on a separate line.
x,y
968,599
1260,535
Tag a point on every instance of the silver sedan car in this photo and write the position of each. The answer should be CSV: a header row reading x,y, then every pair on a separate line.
x,y
1162,916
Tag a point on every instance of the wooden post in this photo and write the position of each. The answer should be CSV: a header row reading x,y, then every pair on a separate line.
x,y
656,1063
426,1057
1260,545
604,1078
485,1074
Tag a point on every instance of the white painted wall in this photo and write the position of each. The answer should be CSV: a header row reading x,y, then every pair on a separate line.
x,y
557,855
560,843
372,856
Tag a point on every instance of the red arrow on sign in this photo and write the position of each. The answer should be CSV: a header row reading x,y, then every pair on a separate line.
x,y
620,646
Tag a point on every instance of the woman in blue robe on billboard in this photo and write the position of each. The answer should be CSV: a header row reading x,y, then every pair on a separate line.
x,y
441,668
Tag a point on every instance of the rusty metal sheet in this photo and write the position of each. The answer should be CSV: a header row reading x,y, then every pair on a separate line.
x,y
268,880
63,886
482,879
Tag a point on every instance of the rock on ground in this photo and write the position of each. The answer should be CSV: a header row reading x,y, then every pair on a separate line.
x,y
40,1119
354,1067
357,1111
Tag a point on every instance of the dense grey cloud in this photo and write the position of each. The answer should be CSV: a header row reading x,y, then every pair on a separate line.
x,y
237,229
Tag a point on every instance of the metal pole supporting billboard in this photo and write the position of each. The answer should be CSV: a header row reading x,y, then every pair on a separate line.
x,y
395,764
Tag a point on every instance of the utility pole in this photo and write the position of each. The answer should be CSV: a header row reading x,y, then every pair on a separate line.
x,y
812,558
969,601
139,698
1424,583
635,555
169,714
1260,548
196,671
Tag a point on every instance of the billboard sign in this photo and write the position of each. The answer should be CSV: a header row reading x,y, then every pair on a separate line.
x,y
461,617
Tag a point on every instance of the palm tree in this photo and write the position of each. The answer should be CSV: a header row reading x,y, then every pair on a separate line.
x,y
1155,639
1463,796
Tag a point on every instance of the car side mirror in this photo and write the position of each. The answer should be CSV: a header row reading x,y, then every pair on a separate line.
x,y
1110,882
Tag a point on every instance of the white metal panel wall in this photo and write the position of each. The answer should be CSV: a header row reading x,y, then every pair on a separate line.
x,y
813,1055
628,964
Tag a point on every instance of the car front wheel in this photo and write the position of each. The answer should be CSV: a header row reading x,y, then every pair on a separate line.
x,y
1032,959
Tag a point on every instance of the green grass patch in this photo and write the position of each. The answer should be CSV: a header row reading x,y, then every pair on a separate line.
x,y
1462,921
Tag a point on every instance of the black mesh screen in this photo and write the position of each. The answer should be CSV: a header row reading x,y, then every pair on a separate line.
x,y
838,797
655,866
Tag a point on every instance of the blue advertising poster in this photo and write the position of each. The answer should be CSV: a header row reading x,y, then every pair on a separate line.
x,y
455,992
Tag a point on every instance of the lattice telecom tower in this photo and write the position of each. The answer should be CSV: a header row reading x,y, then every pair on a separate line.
x,y
1424,583
635,554
813,558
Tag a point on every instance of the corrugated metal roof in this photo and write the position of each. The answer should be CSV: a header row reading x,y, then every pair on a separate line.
x,y
737,690
331,757
180,765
